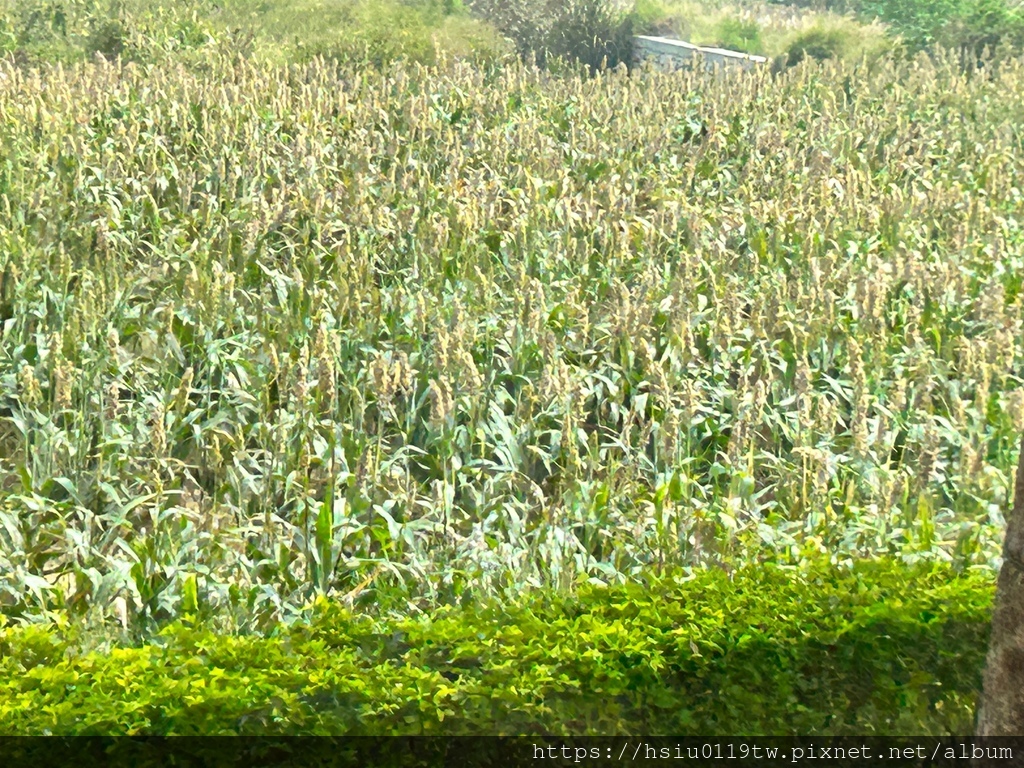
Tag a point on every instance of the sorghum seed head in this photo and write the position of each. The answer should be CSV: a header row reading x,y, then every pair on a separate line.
x,y
441,401
113,343
62,385
184,389
28,386
158,433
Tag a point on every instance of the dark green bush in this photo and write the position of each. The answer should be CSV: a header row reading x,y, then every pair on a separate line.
x,y
818,44
595,33
108,39
880,649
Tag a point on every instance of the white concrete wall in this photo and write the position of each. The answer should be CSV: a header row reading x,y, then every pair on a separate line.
x,y
676,53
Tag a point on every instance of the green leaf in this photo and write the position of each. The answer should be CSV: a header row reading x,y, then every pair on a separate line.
x,y
190,595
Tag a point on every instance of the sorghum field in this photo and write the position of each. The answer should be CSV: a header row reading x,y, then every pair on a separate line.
x,y
426,334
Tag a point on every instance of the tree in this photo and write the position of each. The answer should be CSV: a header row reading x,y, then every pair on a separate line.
x,y
1002,702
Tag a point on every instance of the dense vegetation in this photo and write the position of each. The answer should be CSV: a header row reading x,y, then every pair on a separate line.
x,y
594,31
368,32
461,331
377,313
881,650
969,24
841,28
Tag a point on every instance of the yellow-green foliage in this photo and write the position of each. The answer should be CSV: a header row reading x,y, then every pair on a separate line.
x,y
376,31
837,39
66,31
757,27
412,334
276,30
881,649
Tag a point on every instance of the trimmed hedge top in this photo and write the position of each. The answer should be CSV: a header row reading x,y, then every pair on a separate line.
x,y
882,648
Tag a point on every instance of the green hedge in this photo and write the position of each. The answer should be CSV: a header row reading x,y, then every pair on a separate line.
x,y
883,649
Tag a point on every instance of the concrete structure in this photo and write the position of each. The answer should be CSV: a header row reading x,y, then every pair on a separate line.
x,y
675,54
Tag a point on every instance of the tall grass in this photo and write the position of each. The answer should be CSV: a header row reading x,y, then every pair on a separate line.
x,y
415,334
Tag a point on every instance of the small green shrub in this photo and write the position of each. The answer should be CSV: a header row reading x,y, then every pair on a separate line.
x,y
651,17
737,35
818,44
